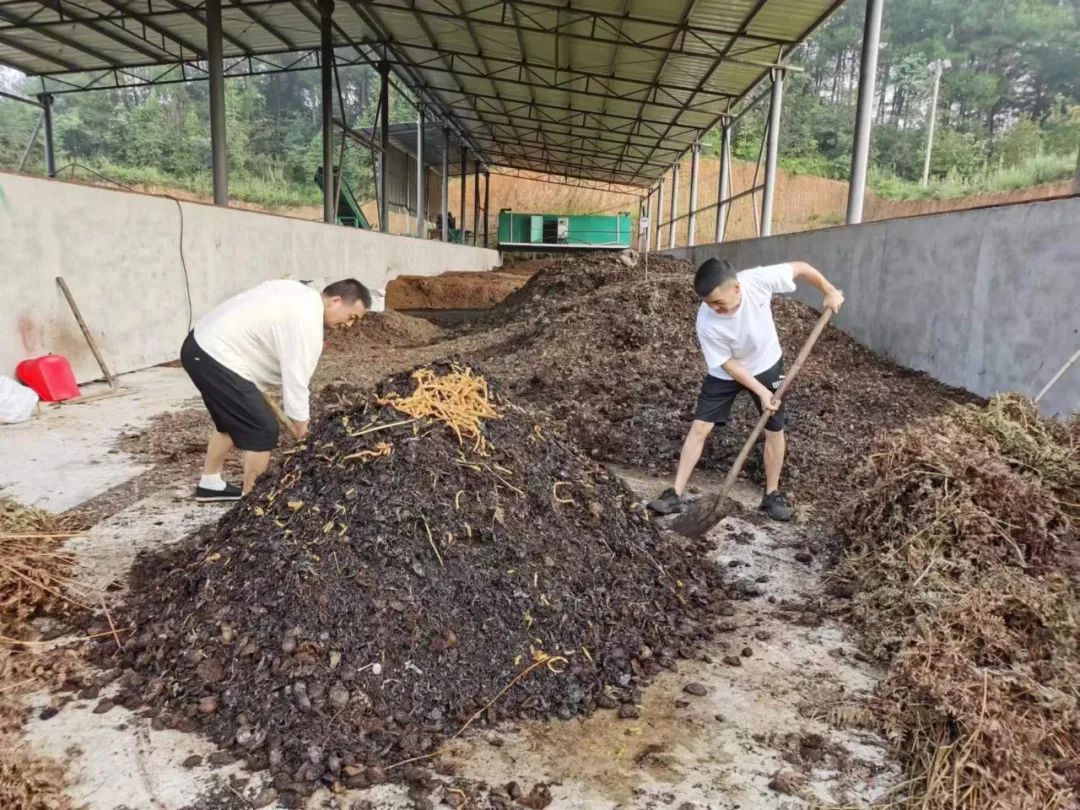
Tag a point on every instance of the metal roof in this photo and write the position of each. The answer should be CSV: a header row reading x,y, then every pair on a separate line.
x,y
403,136
609,90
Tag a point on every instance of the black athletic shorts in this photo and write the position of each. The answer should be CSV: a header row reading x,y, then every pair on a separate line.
x,y
236,405
716,397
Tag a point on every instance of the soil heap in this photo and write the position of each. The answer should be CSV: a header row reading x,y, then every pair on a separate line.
x,y
963,558
424,560
378,330
612,353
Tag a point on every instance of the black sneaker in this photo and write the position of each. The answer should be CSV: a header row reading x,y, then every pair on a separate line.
x,y
668,502
776,506
230,493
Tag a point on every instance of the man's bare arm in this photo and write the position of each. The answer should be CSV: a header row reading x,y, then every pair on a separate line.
x,y
832,298
747,380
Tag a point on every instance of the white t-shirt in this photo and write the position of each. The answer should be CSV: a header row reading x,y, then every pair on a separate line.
x,y
271,334
748,334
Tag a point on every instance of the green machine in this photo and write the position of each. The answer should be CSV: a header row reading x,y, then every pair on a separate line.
x,y
348,213
564,231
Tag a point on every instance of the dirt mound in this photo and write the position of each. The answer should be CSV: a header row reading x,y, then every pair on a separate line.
x,y
383,329
452,290
400,576
962,557
560,282
614,356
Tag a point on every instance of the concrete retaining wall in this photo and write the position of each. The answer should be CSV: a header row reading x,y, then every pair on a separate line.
x,y
120,254
987,299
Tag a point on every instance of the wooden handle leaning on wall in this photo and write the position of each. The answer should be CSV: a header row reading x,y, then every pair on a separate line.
x,y
109,378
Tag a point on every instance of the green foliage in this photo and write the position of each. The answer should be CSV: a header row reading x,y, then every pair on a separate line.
x,y
1032,172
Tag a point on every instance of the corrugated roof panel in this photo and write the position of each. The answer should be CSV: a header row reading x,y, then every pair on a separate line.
x,y
786,18
628,83
723,14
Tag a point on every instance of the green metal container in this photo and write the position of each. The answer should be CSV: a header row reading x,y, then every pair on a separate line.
x,y
564,231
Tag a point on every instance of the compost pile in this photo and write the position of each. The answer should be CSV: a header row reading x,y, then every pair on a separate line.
x,y
425,560
963,554
378,330
612,353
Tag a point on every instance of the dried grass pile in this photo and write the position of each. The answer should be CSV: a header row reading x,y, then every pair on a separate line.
x,y
34,574
962,552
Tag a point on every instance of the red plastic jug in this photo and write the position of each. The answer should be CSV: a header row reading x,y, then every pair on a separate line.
x,y
50,376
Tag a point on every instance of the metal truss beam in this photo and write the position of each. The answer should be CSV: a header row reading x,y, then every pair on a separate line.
x,y
581,135
527,68
17,22
408,74
120,79
38,54
558,180
536,111
266,26
114,32
602,25
526,158
568,152
160,30
459,66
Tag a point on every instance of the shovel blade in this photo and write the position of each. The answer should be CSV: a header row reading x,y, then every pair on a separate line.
x,y
703,514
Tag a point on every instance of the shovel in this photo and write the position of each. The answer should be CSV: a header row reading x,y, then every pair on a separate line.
x,y
706,512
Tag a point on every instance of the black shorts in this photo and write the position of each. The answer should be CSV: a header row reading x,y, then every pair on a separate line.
x,y
717,396
236,405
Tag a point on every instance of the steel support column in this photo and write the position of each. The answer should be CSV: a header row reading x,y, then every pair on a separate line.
x,y
645,236
384,145
659,211
641,222
50,150
464,177
444,202
421,174
476,202
771,151
673,225
695,154
326,63
487,201
219,153
725,183
860,152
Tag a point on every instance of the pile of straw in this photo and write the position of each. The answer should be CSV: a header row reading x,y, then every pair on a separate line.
x,y
964,556
34,582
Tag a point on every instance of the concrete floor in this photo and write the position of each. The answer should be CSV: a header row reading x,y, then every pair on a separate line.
x,y
717,751
61,458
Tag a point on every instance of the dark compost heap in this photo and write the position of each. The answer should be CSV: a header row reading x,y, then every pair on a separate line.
x,y
395,575
612,353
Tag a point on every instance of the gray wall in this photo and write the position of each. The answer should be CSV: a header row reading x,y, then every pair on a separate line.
x,y
120,254
986,299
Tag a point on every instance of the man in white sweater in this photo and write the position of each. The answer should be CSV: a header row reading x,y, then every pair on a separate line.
x,y
269,335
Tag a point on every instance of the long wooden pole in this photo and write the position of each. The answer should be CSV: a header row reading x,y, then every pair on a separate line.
x,y
109,378
1058,376
710,510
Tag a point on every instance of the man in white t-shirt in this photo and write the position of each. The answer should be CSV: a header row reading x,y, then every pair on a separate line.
x,y
269,335
742,351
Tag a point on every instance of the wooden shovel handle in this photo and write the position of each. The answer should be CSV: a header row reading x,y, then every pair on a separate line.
x,y
709,511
